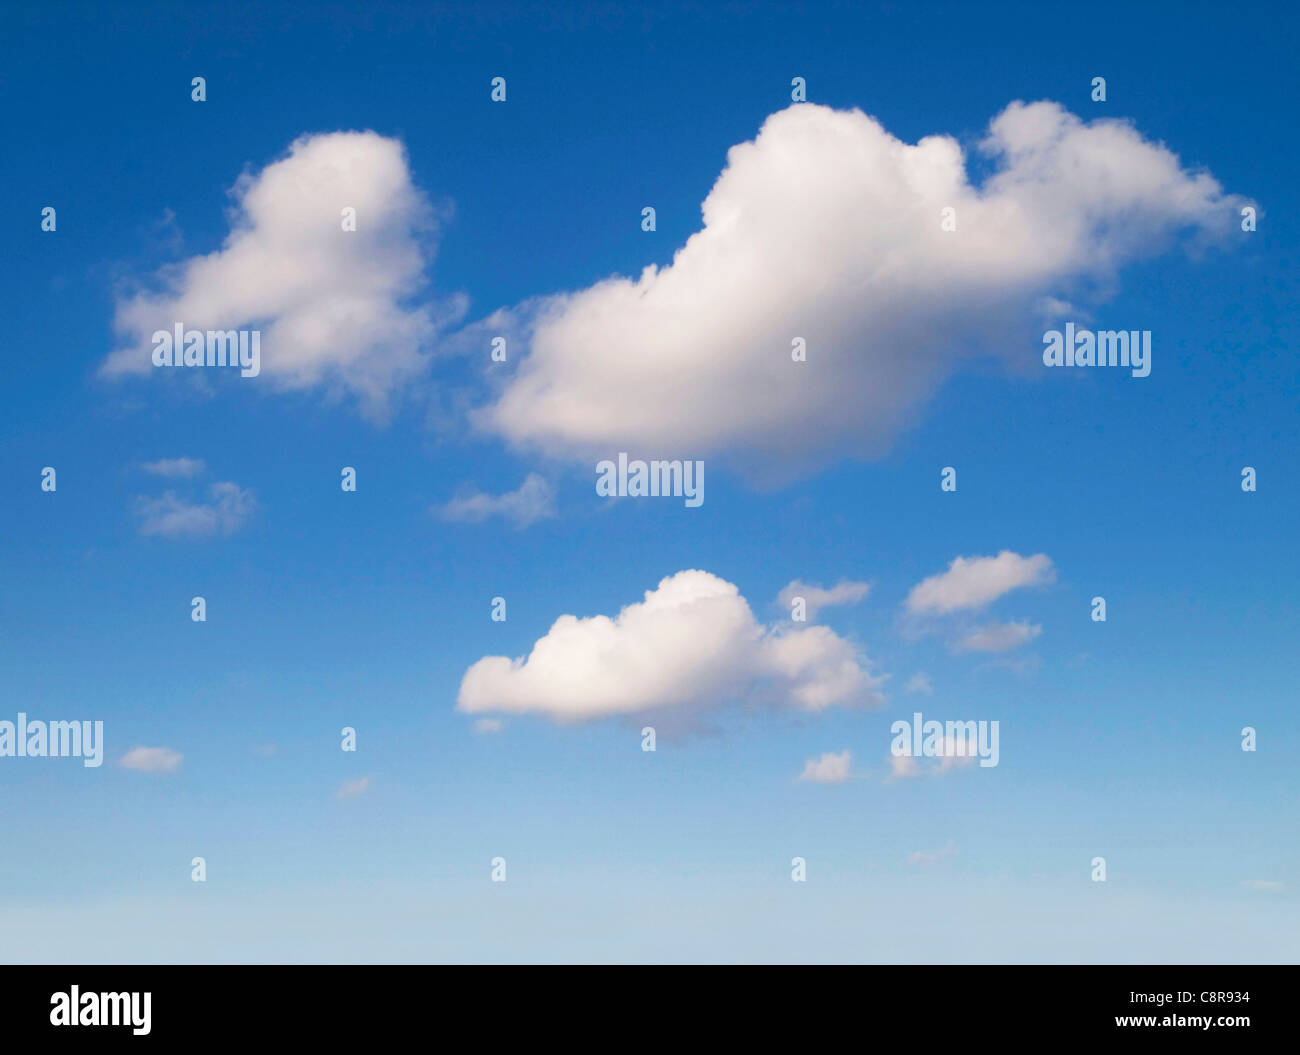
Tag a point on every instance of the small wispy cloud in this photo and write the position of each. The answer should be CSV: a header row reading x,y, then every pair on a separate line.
x,y
831,768
350,789
170,516
922,857
176,468
488,726
817,597
956,755
998,637
152,760
919,682
531,501
973,582
1270,886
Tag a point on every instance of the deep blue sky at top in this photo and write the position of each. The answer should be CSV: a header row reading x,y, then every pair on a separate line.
x,y
326,613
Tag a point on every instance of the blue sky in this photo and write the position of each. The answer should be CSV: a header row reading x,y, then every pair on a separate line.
x,y
327,609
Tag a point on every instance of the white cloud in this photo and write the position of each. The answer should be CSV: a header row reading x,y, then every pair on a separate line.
x,y
170,516
182,468
973,582
826,227
532,501
902,767
487,726
956,754
350,789
331,304
829,769
919,682
999,637
692,644
152,760
816,598
922,857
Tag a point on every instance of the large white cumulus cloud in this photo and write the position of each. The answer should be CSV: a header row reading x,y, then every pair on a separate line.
x,y
826,227
692,644
333,305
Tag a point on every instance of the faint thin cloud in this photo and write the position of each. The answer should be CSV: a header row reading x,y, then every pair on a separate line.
x,y
152,760
170,516
532,501
350,789
816,597
175,468
998,637
922,857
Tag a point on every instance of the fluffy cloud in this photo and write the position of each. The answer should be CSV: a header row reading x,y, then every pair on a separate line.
x,y
973,582
532,501
331,304
829,769
175,468
816,598
171,516
693,643
826,227
152,760
999,637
